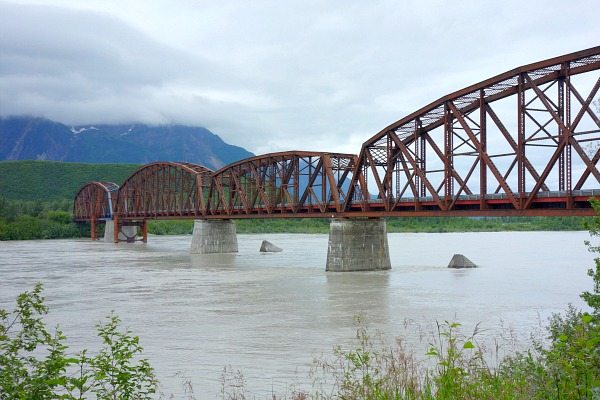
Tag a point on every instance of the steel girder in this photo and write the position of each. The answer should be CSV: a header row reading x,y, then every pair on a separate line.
x,y
526,139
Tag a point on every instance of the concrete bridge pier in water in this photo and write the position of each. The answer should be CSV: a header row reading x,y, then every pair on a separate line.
x,y
125,232
354,244
214,236
357,245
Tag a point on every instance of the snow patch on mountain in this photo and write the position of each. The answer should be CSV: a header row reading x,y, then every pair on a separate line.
x,y
83,129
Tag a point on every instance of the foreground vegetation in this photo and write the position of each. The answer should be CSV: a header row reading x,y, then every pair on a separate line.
x,y
35,363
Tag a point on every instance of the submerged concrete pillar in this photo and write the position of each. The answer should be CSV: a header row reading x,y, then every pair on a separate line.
x,y
214,236
126,233
357,245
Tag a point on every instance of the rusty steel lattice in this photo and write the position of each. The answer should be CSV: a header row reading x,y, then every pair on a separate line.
x,y
526,142
164,190
94,202
292,183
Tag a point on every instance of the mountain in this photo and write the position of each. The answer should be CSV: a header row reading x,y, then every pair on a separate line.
x,y
32,138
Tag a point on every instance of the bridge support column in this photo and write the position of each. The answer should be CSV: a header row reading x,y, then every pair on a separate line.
x,y
126,233
357,245
214,236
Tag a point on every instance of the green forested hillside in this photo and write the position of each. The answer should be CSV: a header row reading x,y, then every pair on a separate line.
x,y
51,180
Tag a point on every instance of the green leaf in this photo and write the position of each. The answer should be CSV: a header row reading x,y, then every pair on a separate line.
x,y
432,352
563,338
586,318
468,345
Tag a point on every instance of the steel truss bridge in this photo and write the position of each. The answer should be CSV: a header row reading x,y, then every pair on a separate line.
x,y
523,143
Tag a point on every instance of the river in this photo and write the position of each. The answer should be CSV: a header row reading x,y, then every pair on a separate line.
x,y
269,315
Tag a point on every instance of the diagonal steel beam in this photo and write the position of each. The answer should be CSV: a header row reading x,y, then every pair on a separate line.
x,y
590,166
585,104
419,172
513,144
382,194
439,153
486,158
587,171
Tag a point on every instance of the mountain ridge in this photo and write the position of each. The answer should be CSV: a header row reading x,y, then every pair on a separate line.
x,y
38,138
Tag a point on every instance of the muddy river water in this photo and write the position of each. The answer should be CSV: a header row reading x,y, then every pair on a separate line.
x,y
270,315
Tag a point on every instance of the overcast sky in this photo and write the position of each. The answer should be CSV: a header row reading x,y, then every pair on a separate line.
x,y
269,75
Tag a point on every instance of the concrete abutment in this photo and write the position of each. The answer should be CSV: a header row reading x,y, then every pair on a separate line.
x,y
357,245
214,236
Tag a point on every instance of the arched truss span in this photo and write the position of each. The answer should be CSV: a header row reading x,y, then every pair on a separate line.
x,y
95,201
165,190
526,139
290,183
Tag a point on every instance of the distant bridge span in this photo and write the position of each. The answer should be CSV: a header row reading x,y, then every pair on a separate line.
x,y
525,142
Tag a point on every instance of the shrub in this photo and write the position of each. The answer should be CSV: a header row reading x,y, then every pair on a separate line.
x,y
34,363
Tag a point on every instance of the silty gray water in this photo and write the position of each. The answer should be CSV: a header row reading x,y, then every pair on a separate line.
x,y
269,315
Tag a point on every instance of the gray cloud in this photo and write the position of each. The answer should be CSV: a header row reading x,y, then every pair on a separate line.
x,y
268,75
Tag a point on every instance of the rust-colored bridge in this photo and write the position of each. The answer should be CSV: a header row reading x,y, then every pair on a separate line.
x,y
525,142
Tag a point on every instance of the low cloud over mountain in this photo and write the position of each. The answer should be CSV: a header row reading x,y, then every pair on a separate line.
x,y
28,138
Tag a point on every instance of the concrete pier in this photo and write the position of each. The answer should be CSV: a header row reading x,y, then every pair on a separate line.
x,y
357,245
126,233
214,236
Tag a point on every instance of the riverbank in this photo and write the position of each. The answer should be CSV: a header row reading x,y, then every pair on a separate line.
x,y
394,225
26,220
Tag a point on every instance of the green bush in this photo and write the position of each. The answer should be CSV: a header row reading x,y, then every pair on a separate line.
x,y
34,363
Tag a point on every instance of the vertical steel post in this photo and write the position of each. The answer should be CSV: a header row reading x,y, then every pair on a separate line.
x,y
423,164
116,229
569,170
145,231
93,228
561,132
448,165
387,177
483,141
521,141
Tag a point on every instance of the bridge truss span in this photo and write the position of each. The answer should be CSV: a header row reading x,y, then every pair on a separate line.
x,y
526,142
165,190
294,183
95,200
